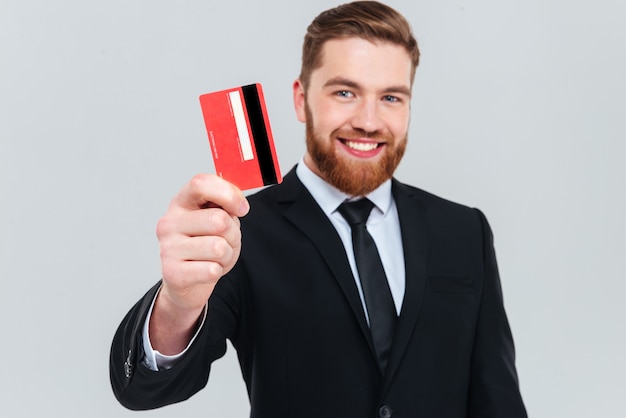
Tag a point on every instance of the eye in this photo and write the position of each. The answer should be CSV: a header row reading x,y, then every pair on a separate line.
x,y
391,99
344,93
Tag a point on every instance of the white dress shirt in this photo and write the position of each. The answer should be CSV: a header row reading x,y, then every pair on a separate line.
x,y
383,224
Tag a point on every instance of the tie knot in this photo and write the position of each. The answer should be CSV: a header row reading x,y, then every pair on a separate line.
x,y
356,212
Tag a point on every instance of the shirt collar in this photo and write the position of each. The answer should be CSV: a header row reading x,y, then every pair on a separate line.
x,y
329,198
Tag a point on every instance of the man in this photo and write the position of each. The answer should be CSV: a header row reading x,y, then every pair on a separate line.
x,y
287,285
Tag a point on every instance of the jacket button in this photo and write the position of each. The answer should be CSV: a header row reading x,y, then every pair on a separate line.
x,y
384,412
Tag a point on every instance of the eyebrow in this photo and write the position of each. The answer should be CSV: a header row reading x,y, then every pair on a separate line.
x,y
346,82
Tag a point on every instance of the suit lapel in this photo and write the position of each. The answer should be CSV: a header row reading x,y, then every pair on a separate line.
x,y
306,215
413,226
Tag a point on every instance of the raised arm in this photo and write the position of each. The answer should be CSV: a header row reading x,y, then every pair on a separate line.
x,y
200,241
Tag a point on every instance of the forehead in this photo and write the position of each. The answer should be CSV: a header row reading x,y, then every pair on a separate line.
x,y
372,64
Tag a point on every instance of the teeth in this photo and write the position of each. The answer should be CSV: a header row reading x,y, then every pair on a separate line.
x,y
362,146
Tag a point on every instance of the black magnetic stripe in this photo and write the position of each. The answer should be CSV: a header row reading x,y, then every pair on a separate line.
x,y
259,133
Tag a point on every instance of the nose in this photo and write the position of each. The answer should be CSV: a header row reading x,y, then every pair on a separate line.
x,y
367,116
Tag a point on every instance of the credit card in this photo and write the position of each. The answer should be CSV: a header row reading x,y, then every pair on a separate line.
x,y
240,136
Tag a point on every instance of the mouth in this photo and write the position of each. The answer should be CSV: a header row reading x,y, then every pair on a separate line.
x,y
361,146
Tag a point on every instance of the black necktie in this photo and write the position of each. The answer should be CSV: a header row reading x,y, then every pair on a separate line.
x,y
378,300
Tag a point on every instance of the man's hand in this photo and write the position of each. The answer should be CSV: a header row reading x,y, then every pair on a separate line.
x,y
200,240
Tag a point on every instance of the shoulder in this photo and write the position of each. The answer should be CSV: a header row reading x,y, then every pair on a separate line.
x,y
428,200
277,197
439,212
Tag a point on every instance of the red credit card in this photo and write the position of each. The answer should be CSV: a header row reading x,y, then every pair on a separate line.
x,y
240,136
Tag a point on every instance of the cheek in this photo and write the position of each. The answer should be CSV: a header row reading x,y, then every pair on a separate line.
x,y
399,125
328,118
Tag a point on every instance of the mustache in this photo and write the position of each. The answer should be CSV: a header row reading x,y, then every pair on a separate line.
x,y
360,133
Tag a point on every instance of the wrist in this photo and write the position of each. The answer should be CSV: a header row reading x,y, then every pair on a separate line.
x,y
171,325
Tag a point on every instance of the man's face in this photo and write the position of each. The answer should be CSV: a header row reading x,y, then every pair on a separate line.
x,y
356,111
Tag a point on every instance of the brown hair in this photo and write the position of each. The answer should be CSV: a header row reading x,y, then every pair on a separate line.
x,y
369,20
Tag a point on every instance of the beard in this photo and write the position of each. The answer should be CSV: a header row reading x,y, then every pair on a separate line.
x,y
350,175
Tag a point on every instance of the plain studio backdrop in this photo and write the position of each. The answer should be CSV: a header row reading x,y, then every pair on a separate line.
x,y
518,109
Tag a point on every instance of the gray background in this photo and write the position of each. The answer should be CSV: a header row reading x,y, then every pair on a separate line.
x,y
518,110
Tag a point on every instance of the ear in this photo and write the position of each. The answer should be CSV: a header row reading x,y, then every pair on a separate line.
x,y
299,100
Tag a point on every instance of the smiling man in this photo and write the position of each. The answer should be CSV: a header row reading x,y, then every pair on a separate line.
x,y
361,96
345,292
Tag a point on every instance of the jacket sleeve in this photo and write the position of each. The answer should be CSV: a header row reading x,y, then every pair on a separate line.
x,y
494,387
136,386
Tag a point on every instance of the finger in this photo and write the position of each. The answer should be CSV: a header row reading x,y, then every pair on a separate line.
x,y
211,248
206,222
188,275
207,190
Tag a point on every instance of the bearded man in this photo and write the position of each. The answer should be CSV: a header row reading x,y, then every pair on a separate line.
x,y
396,311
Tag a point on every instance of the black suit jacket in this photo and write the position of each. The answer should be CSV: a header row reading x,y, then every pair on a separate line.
x,y
291,309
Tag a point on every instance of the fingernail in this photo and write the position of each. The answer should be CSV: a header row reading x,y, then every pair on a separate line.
x,y
244,207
